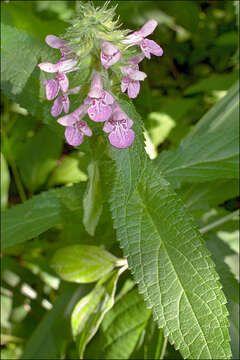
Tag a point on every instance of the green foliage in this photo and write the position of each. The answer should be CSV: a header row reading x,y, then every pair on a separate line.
x,y
82,263
170,202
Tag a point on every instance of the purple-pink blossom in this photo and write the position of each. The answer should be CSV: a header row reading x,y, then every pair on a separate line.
x,y
132,76
109,54
62,102
139,38
99,101
119,128
57,43
76,128
61,81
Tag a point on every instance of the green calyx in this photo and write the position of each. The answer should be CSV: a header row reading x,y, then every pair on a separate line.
x,y
91,25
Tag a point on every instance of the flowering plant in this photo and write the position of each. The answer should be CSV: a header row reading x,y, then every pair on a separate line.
x,y
119,231
101,105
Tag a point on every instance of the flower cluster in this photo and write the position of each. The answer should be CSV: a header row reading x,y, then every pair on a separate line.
x,y
99,104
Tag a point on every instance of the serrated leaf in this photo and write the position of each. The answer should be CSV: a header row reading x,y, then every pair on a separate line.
x,y
90,311
37,161
82,263
211,150
131,160
168,260
121,328
34,216
5,182
219,251
92,201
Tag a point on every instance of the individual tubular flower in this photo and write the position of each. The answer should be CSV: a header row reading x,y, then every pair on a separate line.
x,y
62,102
76,128
61,82
132,76
57,43
139,38
100,101
118,128
109,54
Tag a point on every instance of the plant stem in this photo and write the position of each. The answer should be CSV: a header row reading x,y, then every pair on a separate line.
x,y
18,181
219,222
164,346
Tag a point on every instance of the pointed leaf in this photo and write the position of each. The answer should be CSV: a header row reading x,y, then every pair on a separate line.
x,y
82,263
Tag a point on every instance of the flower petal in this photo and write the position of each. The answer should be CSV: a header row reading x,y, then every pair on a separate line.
x,y
150,46
66,65
81,111
52,89
66,104
124,84
148,27
136,75
74,90
96,82
133,89
85,128
99,112
108,48
108,126
67,120
63,82
73,136
55,42
57,106
121,138
108,98
49,67
136,59
117,57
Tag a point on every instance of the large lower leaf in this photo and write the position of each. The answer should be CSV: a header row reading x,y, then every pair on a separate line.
x,y
169,261
27,220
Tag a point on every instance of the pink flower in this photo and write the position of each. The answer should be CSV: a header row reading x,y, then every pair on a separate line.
x,y
109,54
118,127
139,38
76,128
62,102
56,43
132,76
100,101
61,81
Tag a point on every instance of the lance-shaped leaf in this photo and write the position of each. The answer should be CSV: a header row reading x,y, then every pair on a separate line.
x,y
211,150
82,263
169,261
90,311
43,211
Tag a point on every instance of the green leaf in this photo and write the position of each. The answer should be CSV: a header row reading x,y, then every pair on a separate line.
x,y
92,202
200,198
90,311
132,159
219,252
5,182
68,171
213,82
121,328
169,261
53,331
211,150
27,220
37,161
82,263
